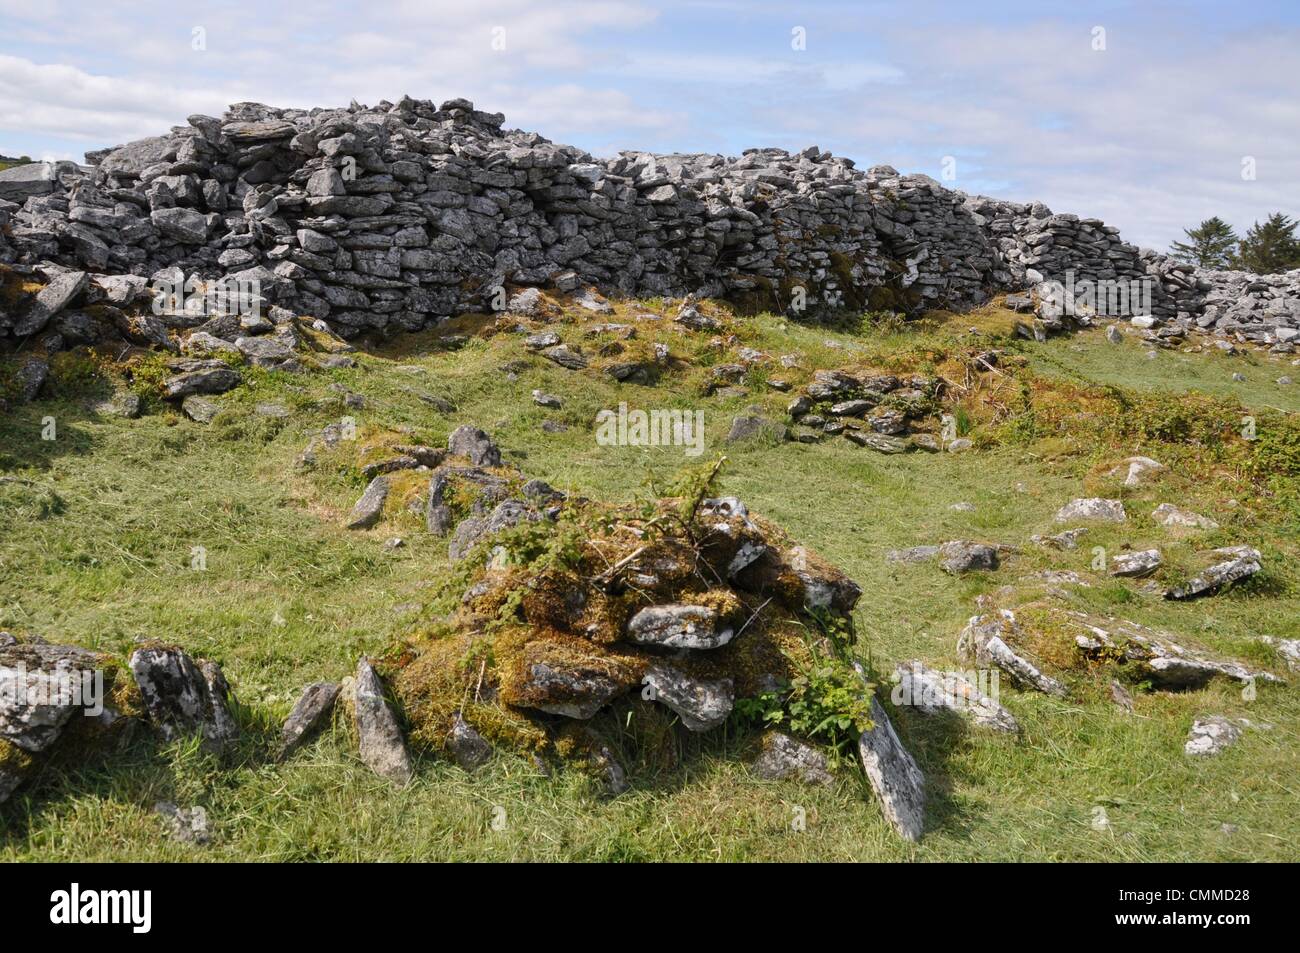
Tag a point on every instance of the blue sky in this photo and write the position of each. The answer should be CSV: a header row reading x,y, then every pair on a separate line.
x,y
1149,133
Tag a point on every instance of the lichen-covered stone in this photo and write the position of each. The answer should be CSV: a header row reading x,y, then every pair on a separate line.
x,y
679,627
382,746
782,757
311,711
183,697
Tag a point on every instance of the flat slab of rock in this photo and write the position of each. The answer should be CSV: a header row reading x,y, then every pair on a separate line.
x,y
383,748
1157,657
200,409
121,404
1211,735
878,442
701,704
1092,508
960,556
214,380
184,697
20,182
181,225
783,757
310,713
1166,514
984,641
678,626
894,775
265,351
934,692
41,688
50,300
1141,563
370,507
547,400
189,825
1236,563
563,683
565,356
1287,649
1067,540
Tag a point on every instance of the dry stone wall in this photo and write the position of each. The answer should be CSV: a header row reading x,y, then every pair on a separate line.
x,y
395,216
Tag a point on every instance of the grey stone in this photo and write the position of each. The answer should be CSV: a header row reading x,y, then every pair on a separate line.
x,y
1100,510
310,712
1235,564
983,641
1154,656
1211,735
181,225
212,380
547,400
264,351
30,376
565,356
1066,540
753,427
183,697
701,704
881,443
24,181
468,441
1166,514
200,409
41,688
121,404
382,747
467,747
934,692
370,507
1136,470
189,825
960,556
574,688
678,626
60,292
202,344
893,775
783,757
1141,563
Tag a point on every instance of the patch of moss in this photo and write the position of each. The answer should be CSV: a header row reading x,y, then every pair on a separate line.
x,y
14,760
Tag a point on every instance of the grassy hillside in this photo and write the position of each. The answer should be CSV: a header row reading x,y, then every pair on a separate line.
x,y
98,531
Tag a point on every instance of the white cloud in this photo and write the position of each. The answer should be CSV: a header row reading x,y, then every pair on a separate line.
x,y
69,103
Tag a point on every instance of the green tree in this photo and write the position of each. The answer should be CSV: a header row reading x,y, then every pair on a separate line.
x,y
1270,247
1210,245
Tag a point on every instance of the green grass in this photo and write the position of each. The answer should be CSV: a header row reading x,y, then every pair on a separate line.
x,y
1089,357
97,550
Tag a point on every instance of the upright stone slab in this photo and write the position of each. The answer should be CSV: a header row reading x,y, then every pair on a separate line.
x,y
894,775
183,697
383,748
